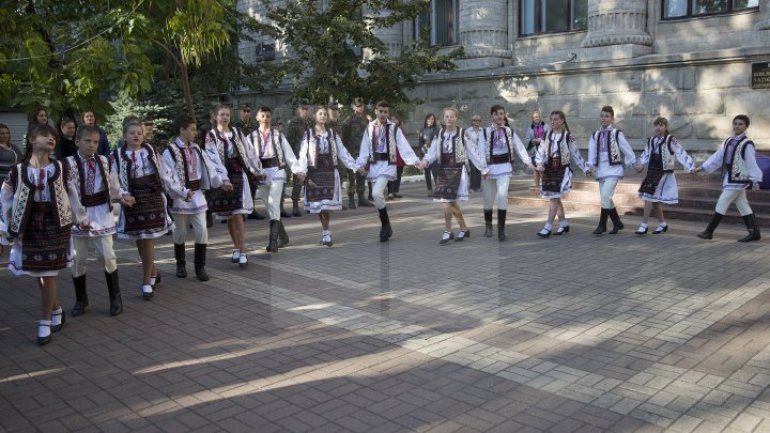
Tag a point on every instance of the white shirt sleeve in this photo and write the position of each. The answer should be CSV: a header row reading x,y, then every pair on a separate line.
x,y
714,162
627,150
520,149
404,148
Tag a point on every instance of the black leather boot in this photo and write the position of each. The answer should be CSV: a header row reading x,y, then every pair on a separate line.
x,y
501,224
181,263
200,262
386,231
283,237
295,208
709,232
602,227
113,289
272,245
81,295
751,224
284,214
617,225
487,223
363,201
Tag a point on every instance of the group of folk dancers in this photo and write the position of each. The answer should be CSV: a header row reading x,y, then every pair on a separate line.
x,y
52,211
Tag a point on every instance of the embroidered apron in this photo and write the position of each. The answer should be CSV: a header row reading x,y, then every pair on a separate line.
x,y
320,182
654,174
149,212
449,175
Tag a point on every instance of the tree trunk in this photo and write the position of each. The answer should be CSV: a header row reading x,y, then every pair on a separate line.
x,y
186,90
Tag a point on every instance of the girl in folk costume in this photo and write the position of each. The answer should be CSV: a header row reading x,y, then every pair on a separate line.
x,y
198,171
275,155
606,148
143,217
233,149
38,210
319,153
659,186
97,184
450,150
496,147
736,158
377,160
555,157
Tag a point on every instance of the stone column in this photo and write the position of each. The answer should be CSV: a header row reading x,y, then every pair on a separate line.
x,y
618,28
484,33
764,21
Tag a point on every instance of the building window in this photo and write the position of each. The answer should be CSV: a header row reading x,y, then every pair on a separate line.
x,y
551,16
693,8
439,26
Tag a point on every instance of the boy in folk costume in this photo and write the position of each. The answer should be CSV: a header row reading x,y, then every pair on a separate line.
x,y
233,149
97,184
659,186
377,159
320,153
198,171
606,148
555,157
275,155
143,179
451,150
38,208
496,147
737,160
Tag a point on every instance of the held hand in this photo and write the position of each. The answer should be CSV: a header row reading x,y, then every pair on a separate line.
x,y
300,176
227,187
536,140
540,167
128,200
589,172
697,169
85,226
189,196
486,176
532,167
638,168
755,186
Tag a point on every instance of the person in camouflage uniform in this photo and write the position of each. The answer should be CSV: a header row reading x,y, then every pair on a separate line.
x,y
297,127
352,132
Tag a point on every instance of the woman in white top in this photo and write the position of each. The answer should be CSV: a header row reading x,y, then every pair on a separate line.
x,y
319,153
450,149
228,144
555,157
659,186
144,217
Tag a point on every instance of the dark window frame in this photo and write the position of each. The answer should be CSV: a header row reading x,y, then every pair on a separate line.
x,y
690,3
429,21
538,20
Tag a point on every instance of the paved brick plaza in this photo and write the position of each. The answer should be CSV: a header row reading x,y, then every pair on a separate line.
x,y
569,334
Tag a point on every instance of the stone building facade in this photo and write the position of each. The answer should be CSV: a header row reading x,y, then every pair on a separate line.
x,y
688,60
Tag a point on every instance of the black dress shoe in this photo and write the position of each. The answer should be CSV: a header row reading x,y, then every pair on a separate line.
x,y
147,295
641,231
462,234
660,230
57,328
157,280
446,238
42,341
544,233
561,230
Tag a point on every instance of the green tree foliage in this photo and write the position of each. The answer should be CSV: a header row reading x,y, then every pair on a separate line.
x,y
69,55
66,54
325,45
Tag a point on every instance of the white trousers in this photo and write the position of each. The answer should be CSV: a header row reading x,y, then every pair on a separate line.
x,y
495,189
271,196
606,191
734,195
103,246
378,192
182,223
